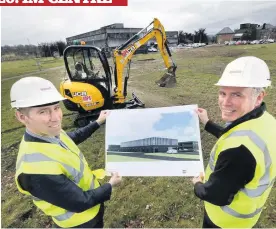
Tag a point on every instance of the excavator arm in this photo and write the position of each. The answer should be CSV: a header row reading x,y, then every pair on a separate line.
x,y
124,53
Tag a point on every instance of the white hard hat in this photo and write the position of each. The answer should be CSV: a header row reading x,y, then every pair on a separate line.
x,y
246,71
33,91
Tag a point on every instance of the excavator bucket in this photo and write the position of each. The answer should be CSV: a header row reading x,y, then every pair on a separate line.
x,y
168,80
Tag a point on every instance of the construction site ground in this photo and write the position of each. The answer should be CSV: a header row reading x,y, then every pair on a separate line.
x,y
139,202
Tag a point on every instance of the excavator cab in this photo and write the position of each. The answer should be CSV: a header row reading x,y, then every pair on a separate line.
x,y
84,63
88,87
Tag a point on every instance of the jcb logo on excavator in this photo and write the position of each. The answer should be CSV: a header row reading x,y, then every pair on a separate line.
x,y
79,93
126,52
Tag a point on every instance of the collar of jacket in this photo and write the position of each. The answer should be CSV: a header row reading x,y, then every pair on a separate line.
x,y
32,137
256,113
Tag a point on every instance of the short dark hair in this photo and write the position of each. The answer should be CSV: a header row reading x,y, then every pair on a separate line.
x,y
47,104
24,110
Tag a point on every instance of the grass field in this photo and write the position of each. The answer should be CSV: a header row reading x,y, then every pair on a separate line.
x,y
139,202
118,158
184,156
18,67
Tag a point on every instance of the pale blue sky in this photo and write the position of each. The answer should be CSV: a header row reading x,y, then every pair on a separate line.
x,y
132,125
171,120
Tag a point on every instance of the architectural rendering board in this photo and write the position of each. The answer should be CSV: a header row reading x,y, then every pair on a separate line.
x,y
154,142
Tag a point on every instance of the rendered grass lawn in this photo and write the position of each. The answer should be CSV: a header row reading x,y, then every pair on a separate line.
x,y
121,158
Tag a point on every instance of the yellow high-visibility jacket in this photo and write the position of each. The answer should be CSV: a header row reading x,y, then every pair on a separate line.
x,y
258,135
52,159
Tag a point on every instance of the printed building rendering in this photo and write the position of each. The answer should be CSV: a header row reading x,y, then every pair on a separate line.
x,y
154,145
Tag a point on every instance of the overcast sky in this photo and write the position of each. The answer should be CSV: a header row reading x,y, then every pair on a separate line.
x,y
47,24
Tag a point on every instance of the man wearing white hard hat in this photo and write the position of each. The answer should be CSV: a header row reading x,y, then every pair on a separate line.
x,y
50,167
242,165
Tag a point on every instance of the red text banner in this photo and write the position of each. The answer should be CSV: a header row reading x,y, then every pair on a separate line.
x,y
63,2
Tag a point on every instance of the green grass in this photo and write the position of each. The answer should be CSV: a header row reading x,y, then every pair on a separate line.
x,y
171,201
18,67
186,156
120,158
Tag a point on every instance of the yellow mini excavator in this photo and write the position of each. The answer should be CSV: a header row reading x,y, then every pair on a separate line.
x,y
89,87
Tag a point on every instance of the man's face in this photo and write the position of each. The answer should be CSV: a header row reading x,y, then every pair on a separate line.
x,y
234,102
42,120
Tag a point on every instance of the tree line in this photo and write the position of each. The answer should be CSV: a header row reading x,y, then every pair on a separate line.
x,y
199,36
41,50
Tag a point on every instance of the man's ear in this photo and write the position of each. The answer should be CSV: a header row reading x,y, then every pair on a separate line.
x,y
260,98
20,117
